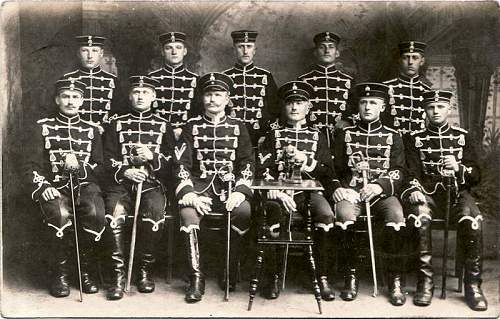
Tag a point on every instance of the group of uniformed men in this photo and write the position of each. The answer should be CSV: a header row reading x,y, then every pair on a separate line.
x,y
186,137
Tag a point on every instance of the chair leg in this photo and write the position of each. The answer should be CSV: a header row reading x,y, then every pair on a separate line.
x,y
255,280
170,250
459,263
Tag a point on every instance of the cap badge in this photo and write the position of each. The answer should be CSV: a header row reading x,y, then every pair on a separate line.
x,y
436,96
327,36
72,86
412,46
141,81
212,77
89,40
294,87
246,36
172,37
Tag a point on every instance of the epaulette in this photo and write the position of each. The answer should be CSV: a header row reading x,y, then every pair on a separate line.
x,y
348,127
196,118
391,80
108,73
458,128
70,73
346,75
95,125
192,73
45,120
305,75
262,69
417,132
157,70
235,119
390,129
227,70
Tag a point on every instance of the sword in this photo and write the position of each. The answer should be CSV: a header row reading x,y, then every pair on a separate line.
x,y
449,176
363,167
76,236
228,241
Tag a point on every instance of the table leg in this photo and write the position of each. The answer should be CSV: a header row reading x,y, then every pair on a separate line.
x,y
317,293
255,280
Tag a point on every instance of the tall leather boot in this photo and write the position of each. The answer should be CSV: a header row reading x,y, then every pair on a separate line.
x,y
271,287
425,283
473,266
147,242
87,260
196,288
348,253
321,250
234,258
393,244
59,285
115,292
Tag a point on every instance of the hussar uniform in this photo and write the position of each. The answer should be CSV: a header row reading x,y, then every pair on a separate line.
x,y
56,137
426,173
176,91
405,111
211,153
102,90
381,148
272,164
253,98
122,136
331,93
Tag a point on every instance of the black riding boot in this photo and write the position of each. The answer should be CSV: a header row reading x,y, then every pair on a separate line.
x,y
271,287
59,285
393,244
115,292
348,253
473,266
87,260
321,250
148,239
196,287
234,258
425,283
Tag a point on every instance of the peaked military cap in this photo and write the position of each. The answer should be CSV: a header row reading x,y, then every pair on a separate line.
x,y
326,37
437,96
90,40
170,37
215,81
244,36
372,89
295,90
412,46
70,84
143,81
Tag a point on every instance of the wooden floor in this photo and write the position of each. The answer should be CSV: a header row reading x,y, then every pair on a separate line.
x,y
20,299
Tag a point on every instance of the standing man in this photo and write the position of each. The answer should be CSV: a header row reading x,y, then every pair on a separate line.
x,y
64,145
175,94
438,152
296,142
254,97
214,149
406,110
102,94
331,87
138,148
381,151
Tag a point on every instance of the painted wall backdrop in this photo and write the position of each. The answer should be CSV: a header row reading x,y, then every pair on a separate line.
x,y
36,49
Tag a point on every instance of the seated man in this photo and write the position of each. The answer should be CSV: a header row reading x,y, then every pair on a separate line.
x,y
442,151
138,148
65,145
296,142
381,151
213,149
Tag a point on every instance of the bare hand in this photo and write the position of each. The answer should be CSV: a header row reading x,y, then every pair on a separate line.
x,y
71,162
417,197
370,191
200,203
347,194
144,153
297,155
135,174
450,163
273,194
50,193
234,200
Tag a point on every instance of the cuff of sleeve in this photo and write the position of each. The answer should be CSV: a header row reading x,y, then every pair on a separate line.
x,y
183,188
462,170
408,191
309,165
38,193
387,186
156,162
